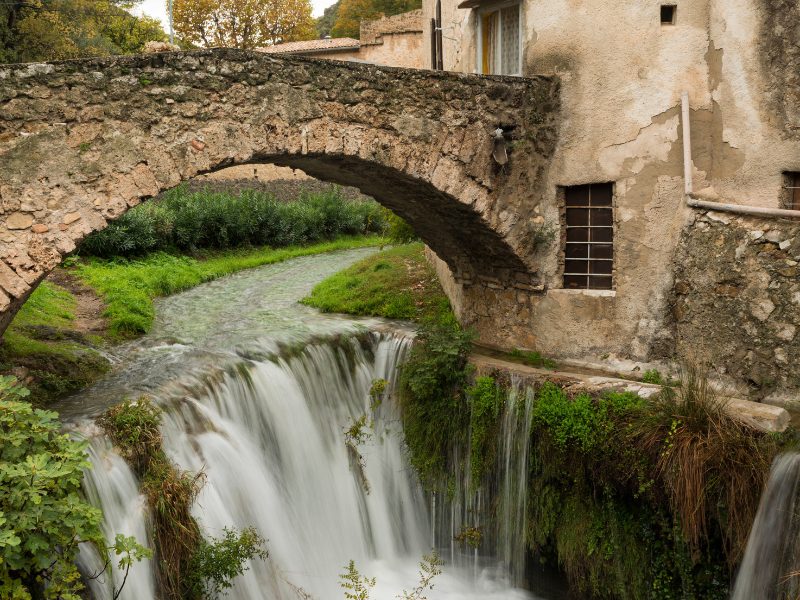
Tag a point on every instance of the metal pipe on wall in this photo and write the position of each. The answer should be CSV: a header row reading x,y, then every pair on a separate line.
x,y
691,199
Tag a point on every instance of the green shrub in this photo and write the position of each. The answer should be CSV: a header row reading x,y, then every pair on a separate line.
x,y
432,381
218,561
42,514
583,421
190,221
486,401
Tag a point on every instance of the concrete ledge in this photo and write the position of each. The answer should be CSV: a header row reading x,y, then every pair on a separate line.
x,y
763,417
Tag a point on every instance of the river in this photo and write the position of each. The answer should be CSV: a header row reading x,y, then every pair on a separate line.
x,y
257,391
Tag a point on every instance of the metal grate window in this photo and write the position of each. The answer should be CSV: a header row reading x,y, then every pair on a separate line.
x,y
589,252
793,191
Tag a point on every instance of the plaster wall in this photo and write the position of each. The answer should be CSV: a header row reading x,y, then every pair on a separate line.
x,y
622,74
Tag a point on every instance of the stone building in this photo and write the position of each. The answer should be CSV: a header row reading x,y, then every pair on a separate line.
x,y
393,41
615,197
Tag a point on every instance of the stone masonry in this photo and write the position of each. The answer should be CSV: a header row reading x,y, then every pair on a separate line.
x,y
83,141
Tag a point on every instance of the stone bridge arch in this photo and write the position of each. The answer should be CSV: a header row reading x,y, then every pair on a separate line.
x,y
83,141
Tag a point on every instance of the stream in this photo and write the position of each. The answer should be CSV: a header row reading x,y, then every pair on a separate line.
x,y
257,391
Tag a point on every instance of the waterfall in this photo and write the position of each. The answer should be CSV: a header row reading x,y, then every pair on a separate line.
x,y
269,436
497,506
111,484
773,548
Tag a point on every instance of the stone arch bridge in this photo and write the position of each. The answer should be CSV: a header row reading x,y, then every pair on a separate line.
x,y
83,141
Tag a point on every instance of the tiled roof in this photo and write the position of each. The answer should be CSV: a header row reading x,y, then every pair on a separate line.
x,y
312,46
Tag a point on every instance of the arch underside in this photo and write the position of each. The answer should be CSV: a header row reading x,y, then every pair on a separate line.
x,y
453,230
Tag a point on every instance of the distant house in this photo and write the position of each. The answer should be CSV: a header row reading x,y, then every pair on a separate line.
x,y
394,41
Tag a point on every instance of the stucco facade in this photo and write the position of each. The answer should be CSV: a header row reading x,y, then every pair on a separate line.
x,y
394,41
622,75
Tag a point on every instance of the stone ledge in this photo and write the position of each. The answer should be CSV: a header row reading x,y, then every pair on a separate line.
x,y
763,417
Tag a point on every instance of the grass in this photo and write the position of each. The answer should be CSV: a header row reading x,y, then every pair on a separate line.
x,y
128,287
55,360
397,283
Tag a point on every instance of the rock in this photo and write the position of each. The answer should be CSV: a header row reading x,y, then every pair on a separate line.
x,y
719,217
756,234
40,228
71,217
785,244
787,333
763,309
153,47
773,236
19,220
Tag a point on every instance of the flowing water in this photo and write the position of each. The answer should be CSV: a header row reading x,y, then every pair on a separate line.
x,y
257,392
773,548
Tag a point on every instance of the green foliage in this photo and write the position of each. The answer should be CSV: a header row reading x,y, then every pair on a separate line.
x,y
355,585
583,421
324,24
44,30
41,338
200,220
134,429
432,382
43,517
397,283
396,229
217,562
471,536
533,358
129,287
429,567
486,401
653,376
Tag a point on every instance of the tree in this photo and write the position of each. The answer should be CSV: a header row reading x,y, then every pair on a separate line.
x,y
43,517
351,12
37,30
243,23
326,21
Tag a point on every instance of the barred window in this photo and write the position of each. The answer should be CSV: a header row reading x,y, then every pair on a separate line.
x,y
589,248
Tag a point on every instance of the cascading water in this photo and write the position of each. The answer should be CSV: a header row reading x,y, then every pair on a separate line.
x,y
112,485
769,570
494,509
269,434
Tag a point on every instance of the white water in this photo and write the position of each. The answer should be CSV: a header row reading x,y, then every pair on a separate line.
x,y
501,517
270,440
773,548
269,435
113,486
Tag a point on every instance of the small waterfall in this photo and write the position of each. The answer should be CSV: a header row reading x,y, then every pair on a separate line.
x,y
497,507
269,437
112,485
773,548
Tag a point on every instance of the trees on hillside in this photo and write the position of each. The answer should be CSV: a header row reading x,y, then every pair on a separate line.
x,y
39,30
243,23
351,12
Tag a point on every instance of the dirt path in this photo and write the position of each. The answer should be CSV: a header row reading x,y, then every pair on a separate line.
x,y
89,308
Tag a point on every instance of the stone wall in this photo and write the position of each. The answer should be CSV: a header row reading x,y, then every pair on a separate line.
x,y
623,74
735,304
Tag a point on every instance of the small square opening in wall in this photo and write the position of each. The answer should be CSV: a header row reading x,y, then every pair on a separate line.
x,y
668,14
